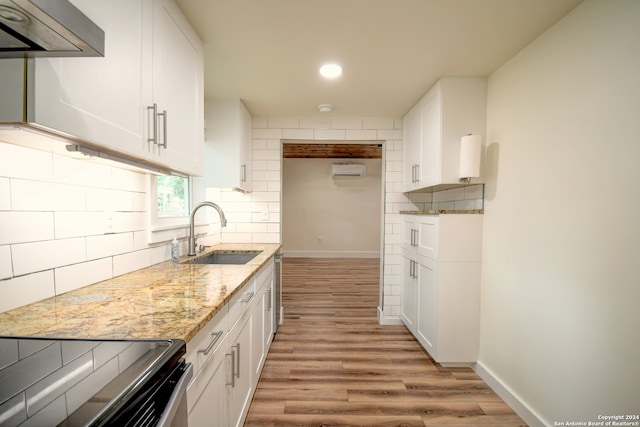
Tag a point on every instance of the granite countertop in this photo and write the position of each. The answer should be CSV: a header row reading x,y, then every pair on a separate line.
x,y
166,300
444,212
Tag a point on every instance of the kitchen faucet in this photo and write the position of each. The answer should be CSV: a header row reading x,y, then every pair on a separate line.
x,y
192,234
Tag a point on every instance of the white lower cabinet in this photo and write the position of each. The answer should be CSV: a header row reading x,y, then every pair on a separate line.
x,y
207,396
440,301
228,355
242,386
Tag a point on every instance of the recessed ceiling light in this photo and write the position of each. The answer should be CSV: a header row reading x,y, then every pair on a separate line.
x,y
330,71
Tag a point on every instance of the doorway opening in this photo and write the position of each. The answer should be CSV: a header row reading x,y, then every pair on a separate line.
x,y
330,214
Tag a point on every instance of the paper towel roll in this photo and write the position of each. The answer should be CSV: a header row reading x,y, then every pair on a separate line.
x,y
470,153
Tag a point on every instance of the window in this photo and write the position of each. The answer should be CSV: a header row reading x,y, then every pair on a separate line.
x,y
172,195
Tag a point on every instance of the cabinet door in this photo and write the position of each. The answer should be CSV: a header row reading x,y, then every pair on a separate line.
x,y
99,99
258,349
267,322
430,155
228,144
207,394
178,89
245,148
427,331
241,390
409,302
262,331
411,132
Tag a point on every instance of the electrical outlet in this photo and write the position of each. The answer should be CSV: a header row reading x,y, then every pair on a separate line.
x,y
109,223
319,239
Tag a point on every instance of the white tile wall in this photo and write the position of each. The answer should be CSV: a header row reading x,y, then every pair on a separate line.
x,y
67,223
6,269
469,197
78,275
23,290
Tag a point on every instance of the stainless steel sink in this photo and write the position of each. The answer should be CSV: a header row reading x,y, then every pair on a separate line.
x,y
230,257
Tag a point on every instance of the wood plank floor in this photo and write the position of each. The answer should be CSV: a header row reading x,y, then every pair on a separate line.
x,y
331,364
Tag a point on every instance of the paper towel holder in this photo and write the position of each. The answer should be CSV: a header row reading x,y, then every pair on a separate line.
x,y
470,154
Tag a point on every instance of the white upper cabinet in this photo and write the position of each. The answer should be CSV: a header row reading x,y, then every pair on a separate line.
x,y
433,128
228,145
411,132
152,56
178,89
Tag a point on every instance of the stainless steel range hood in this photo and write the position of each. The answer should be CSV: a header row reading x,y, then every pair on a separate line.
x,y
57,28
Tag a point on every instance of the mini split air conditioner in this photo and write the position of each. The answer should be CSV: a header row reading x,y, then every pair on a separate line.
x,y
348,169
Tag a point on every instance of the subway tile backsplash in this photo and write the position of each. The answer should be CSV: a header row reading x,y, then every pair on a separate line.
x,y
67,223
461,198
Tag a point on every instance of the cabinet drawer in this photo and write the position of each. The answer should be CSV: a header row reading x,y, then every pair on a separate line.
x,y
241,301
204,401
201,347
428,236
409,232
264,276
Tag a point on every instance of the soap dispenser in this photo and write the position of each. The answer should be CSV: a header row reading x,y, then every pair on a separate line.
x,y
175,250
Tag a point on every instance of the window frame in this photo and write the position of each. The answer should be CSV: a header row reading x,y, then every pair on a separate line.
x,y
157,224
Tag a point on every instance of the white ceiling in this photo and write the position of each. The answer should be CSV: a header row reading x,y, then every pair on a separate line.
x,y
267,52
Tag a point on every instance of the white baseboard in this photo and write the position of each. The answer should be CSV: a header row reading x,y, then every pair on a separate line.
x,y
382,320
331,254
527,414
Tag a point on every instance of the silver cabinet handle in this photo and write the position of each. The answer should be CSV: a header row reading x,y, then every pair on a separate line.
x,y
413,269
417,173
231,381
153,133
248,297
414,237
237,361
244,172
268,292
165,117
216,337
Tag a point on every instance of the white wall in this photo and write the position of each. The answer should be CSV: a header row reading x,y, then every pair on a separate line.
x,y
560,279
323,216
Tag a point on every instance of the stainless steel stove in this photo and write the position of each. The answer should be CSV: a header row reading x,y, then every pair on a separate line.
x,y
69,382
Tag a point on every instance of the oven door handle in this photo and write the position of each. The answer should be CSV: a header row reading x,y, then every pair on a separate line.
x,y
177,398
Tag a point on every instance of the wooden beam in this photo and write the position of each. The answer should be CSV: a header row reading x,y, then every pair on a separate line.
x,y
331,151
